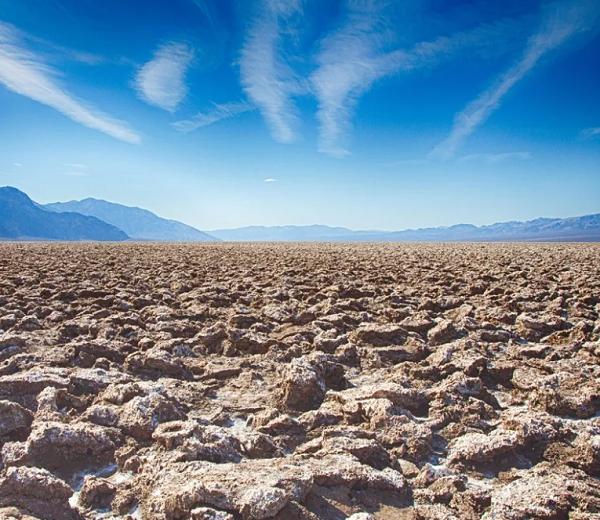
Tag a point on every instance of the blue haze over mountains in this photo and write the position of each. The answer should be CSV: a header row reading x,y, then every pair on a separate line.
x,y
94,219
21,218
138,223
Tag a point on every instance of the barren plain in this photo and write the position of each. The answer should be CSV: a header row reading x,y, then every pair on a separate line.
x,y
142,381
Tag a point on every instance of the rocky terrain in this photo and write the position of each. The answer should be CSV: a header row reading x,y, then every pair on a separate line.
x,y
224,382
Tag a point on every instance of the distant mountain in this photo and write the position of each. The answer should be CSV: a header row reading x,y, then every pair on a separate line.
x,y
573,229
93,219
139,224
21,219
281,233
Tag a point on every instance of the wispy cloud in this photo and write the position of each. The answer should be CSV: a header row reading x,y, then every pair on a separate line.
x,y
560,22
270,179
352,58
218,113
25,73
161,81
346,68
591,133
76,173
53,52
493,158
66,53
266,77
487,158
206,10
18,164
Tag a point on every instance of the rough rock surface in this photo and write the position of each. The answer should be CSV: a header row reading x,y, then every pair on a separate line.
x,y
299,382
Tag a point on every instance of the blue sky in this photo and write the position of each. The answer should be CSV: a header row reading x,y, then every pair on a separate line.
x,y
361,113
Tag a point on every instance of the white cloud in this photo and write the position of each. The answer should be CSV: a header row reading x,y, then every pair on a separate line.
x,y
216,114
352,58
266,77
24,73
161,81
270,179
76,173
346,68
561,21
18,164
492,158
53,52
591,133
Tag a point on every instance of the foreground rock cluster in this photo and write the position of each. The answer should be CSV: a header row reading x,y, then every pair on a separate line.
x,y
226,382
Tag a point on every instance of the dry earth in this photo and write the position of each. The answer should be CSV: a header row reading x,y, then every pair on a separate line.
x,y
299,381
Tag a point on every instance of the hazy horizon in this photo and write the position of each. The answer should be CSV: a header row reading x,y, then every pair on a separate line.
x,y
358,114
321,224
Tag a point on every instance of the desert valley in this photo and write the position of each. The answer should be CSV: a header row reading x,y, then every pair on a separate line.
x,y
299,381
299,260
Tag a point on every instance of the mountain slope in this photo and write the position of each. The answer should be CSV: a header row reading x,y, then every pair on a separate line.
x,y
21,218
585,228
281,233
139,224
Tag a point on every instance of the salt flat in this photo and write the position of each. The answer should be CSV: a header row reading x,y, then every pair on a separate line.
x,y
299,381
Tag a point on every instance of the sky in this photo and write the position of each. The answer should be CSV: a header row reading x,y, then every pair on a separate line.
x,y
369,114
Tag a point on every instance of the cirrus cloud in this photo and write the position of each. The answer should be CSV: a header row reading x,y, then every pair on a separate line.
x,y
493,158
25,73
161,81
561,21
351,59
591,133
266,76
218,113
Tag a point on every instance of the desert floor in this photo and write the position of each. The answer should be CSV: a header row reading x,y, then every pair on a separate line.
x,y
299,381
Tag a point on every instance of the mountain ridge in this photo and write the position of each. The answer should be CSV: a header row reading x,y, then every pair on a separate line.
x,y
137,223
23,219
280,233
98,219
580,228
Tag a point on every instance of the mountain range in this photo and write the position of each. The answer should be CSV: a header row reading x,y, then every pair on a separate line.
x,y
139,224
282,233
576,229
23,219
94,219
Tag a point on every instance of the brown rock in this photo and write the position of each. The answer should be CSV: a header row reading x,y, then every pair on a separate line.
x,y
63,447
38,491
303,386
379,335
545,493
443,332
97,493
14,419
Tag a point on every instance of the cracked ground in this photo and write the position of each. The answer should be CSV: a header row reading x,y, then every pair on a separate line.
x,y
143,381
